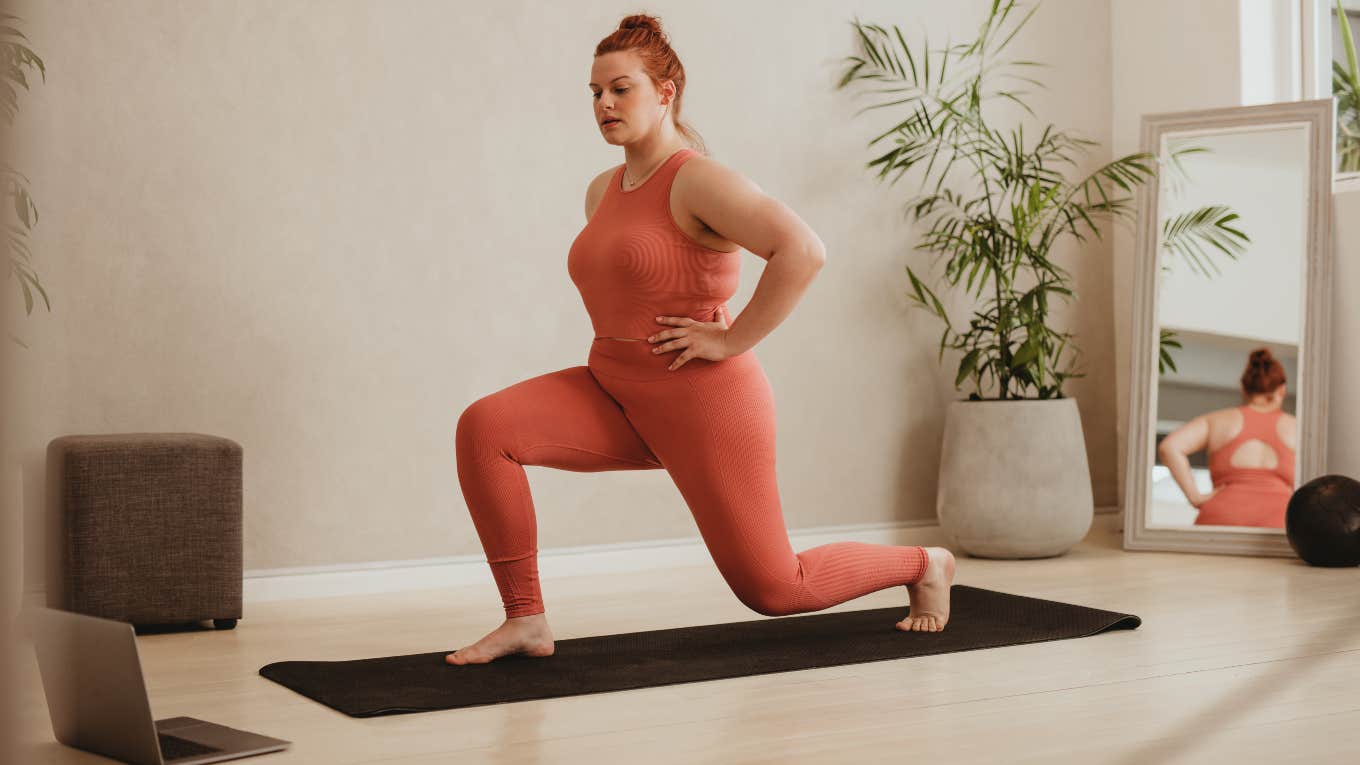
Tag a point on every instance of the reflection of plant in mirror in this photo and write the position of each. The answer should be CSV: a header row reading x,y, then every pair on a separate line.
x,y
999,234
1187,234
1164,360
1346,88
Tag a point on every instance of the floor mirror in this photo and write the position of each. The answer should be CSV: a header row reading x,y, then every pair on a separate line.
x,y
1231,306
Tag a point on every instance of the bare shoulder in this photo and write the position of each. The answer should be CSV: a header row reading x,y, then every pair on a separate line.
x,y
703,174
1227,419
1288,423
1287,429
733,208
596,188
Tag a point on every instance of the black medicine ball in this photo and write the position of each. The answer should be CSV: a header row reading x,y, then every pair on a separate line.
x,y
1323,521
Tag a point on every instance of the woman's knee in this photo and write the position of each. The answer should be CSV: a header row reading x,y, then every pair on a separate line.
x,y
767,596
482,424
501,417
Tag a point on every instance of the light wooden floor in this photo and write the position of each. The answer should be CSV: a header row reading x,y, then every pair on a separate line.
x,y
1239,659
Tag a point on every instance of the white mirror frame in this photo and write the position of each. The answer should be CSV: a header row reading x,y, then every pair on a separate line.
x,y
1319,116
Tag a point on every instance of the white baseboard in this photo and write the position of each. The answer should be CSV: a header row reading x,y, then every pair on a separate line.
x,y
433,573
262,585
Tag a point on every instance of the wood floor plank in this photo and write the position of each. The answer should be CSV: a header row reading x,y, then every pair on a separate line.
x,y
1253,659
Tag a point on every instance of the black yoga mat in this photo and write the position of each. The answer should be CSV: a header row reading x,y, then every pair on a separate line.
x,y
423,682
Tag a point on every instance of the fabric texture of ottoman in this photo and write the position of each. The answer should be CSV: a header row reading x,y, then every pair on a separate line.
x,y
150,527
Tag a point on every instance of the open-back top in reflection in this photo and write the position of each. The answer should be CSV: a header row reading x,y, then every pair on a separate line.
x,y
1250,496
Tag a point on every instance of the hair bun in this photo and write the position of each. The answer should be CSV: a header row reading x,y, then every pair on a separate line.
x,y
641,21
1261,357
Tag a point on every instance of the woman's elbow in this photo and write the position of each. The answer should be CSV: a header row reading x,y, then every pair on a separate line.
x,y
816,253
1165,453
805,254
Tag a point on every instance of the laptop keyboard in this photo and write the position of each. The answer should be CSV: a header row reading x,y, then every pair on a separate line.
x,y
174,747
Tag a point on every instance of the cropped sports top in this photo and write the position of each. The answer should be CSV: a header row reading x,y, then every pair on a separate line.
x,y
1261,426
633,263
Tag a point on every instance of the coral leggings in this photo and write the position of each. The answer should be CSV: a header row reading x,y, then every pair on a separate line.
x,y
709,424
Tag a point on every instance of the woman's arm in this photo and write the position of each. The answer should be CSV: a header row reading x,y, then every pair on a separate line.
x,y
738,210
1174,451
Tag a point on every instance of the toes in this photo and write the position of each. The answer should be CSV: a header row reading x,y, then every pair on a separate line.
x,y
928,623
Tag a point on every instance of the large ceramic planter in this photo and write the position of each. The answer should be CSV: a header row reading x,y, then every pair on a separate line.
x,y
1014,481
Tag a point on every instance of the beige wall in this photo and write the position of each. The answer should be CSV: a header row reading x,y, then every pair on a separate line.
x,y
323,228
1167,56
1343,414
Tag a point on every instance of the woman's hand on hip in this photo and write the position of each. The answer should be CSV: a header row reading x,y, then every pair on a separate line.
x,y
695,339
1200,499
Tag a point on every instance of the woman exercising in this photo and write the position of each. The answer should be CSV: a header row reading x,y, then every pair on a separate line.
x,y
670,380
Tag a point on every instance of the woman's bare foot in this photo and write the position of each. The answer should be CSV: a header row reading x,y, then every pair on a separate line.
x,y
930,596
522,634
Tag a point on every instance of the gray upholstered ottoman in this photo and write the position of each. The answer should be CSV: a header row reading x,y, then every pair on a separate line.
x,y
150,527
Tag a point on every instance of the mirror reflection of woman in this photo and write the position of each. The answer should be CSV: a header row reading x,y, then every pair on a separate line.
x,y
1251,452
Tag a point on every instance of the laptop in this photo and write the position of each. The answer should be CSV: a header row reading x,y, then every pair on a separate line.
x,y
97,699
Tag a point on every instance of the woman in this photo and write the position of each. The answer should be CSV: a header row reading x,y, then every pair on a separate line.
x,y
1251,452
670,381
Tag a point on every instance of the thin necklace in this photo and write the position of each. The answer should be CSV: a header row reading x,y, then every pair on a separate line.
x,y
633,183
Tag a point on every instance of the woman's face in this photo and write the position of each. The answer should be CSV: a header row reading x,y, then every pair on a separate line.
x,y
627,107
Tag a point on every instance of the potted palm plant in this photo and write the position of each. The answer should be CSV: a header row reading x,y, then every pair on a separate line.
x,y
1014,479
1346,89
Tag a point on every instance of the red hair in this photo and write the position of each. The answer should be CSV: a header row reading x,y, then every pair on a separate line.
x,y
642,33
1263,373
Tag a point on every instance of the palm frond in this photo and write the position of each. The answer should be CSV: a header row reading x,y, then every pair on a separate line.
x,y
995,240
1190,234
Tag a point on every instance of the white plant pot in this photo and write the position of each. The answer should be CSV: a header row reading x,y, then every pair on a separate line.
x,y
1014,480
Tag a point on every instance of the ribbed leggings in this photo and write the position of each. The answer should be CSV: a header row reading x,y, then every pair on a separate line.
x,y
709,424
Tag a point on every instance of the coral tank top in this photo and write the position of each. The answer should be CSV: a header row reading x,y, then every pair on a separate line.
x,y
1250,496
632,263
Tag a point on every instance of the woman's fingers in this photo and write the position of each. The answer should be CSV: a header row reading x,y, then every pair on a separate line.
x,y
672,345
680,339
667,335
